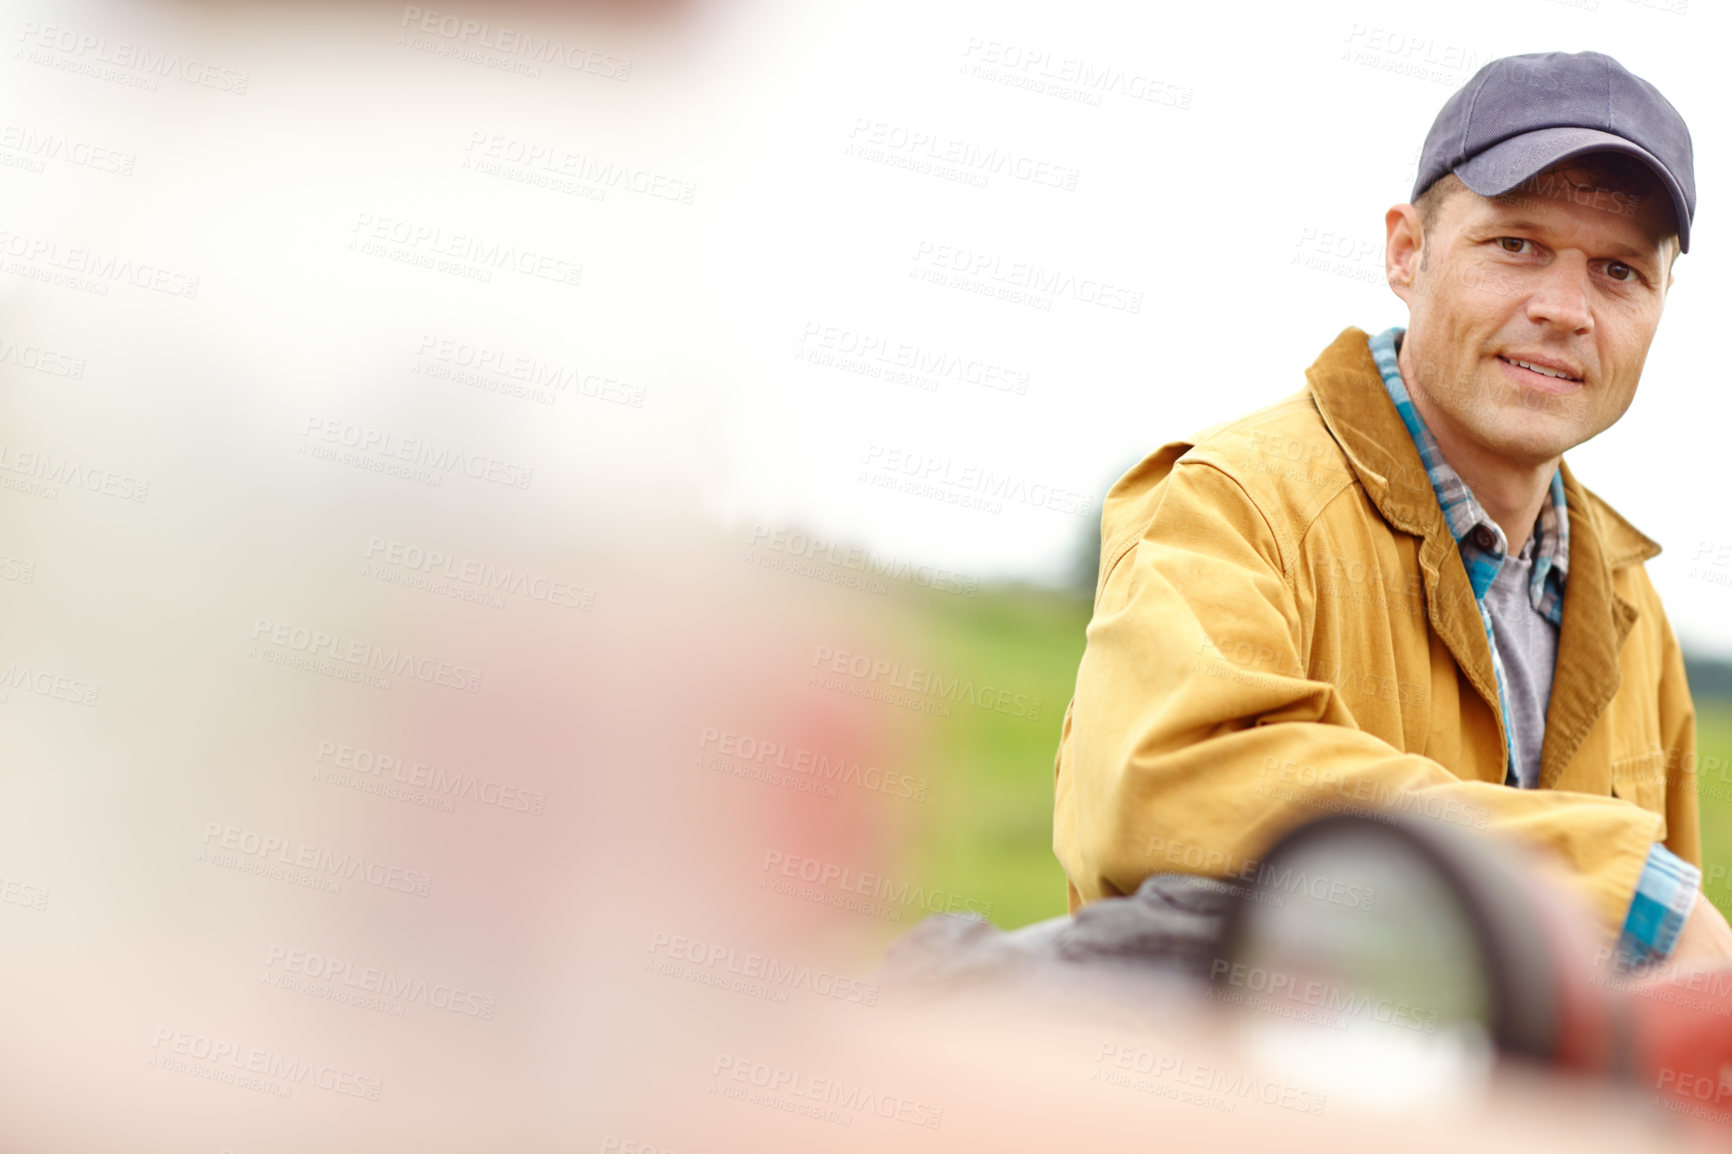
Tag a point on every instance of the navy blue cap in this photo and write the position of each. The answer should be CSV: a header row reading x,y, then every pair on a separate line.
x,y
1520,115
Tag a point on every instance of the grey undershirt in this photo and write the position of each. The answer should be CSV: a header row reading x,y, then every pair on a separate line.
x,y
1527,641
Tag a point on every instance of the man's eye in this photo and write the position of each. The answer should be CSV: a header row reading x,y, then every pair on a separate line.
x,y
1617,270
1511,243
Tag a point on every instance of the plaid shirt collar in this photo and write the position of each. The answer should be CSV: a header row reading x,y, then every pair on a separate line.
x,y
1480,539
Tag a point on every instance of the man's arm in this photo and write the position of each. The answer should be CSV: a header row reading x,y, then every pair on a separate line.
x,y
1678,732
1662,911
1171,748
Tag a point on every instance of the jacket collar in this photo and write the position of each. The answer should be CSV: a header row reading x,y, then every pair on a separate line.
x,y
1349,393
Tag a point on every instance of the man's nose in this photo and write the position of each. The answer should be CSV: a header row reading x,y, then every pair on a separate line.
x,y
1560,297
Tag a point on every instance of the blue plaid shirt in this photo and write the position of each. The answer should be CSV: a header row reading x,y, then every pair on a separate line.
x,y
1666,891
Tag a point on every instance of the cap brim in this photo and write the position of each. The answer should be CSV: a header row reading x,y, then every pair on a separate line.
x,y
1503,166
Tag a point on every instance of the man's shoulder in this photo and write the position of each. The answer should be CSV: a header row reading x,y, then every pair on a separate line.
x,y
1282,456
1274,446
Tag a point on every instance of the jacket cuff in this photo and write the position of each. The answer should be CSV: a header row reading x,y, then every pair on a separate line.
x,y
1665,895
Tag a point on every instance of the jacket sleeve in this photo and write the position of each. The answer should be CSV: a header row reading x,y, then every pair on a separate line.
x,y
1678,732
1174,759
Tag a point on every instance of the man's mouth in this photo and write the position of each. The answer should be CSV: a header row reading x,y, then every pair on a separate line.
x,y
1544,369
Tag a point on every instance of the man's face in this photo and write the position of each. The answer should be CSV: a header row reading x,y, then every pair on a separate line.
x,y
1531,314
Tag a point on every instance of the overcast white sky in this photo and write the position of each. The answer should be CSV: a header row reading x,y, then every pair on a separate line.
x,y
1201,160
1302,126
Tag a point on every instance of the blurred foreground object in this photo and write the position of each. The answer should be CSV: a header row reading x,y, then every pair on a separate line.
x,y
1376,961
1465,939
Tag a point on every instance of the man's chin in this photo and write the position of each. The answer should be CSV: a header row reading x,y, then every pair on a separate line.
x,y
1525,440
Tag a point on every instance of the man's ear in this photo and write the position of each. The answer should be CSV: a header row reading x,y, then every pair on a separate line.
x,y
1401,248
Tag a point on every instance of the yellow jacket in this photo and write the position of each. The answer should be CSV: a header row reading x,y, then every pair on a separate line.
x,y
1283,627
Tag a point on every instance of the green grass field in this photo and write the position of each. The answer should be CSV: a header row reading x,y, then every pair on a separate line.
x,y
1714,743
986,831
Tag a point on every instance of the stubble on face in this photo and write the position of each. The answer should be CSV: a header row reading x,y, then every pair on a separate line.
x,y
1537,276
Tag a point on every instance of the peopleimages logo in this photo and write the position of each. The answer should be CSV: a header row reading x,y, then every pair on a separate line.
x,y
40,360
19,678
1086,77
757,975
317,860
363,656
229,1057
1226,867
31,897
349,977
424,244
1051,282
1180,1072
749,756
481,577
877,887
103,268
89,52
1328,998
861,560
872,139
915,680
512,42
388,446
800,1088
52,470
901,362
39,147
372,766
945,473
492,364
554,161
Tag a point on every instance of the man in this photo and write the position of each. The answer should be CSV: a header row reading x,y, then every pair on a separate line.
x,y
1389,590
